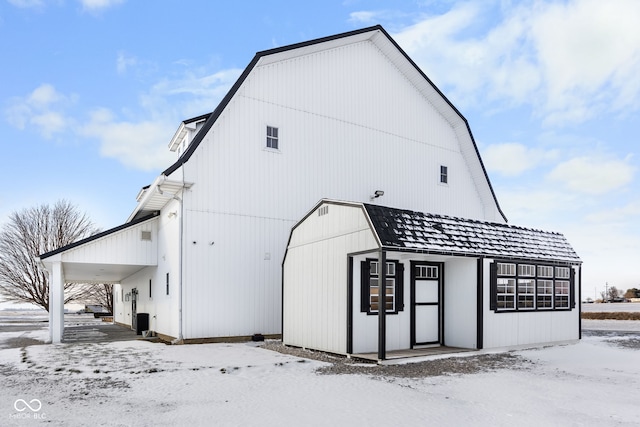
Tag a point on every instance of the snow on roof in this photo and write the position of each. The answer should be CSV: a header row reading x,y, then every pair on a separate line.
x,y
416,231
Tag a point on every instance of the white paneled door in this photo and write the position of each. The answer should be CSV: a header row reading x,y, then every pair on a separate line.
x,y
426,280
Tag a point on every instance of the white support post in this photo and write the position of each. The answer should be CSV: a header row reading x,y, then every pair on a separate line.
x,y
56,303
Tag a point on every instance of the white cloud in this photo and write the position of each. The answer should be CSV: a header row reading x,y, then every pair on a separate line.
x,y
139,145
44,109
43,96
195,93
143,144
569,60
512,159
124,61
50,123
588,47
627,213
97,5
593,175
364,17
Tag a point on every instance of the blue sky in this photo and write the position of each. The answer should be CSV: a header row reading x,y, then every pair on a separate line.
x,y
91,91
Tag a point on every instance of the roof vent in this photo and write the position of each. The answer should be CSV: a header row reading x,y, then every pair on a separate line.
x,y
323,210
145,235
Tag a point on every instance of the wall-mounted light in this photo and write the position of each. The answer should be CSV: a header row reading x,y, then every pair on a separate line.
x,y
377,194
173,214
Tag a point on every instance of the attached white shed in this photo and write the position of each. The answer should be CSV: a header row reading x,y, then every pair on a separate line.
x,y
448,282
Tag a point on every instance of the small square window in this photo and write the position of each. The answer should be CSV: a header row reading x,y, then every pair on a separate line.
x,y
444,174
272,137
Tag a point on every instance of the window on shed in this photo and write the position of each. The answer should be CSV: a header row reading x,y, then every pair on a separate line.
x,y
272,137
426,272
524,286
444,174
391,294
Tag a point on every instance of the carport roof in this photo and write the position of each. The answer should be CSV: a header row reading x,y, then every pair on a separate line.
x,y
99,235
423,232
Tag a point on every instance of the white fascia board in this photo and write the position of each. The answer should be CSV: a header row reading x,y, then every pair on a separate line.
x,y
159,193
178,137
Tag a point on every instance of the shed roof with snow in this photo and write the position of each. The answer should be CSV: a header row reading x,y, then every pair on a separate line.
x,y
407,230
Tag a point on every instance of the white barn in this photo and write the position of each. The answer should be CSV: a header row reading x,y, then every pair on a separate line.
x,y
339,117
449,282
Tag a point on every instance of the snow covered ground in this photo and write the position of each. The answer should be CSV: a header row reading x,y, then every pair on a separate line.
x,y
595,382
611,307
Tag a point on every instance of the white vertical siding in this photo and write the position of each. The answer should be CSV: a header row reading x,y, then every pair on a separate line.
x,y
122,247
460,302
524,328
349,124
315,277
365,327
162,308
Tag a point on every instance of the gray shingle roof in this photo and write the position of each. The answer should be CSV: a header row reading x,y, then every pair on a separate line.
x,y
423,232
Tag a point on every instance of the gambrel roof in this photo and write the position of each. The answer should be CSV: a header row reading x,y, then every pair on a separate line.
x,y
406,230
383,41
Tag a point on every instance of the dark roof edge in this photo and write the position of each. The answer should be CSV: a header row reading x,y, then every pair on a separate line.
x,y
196,119
547,260
227,98
475,146
99,235
313,210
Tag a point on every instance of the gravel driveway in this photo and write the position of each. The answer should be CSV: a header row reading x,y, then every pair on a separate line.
x,y
455,364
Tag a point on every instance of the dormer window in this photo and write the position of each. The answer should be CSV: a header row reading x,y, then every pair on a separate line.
x,y
272,137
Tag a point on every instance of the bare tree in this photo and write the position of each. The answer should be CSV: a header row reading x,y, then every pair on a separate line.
x,y
101,294
610,294
29,233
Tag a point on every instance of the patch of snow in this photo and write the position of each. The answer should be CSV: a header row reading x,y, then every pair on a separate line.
x,y
594,382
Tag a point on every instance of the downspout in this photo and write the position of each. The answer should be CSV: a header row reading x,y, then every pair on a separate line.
x,y
180,339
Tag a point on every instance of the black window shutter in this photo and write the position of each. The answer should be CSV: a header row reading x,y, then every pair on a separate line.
x,y
572,288
364,286
493,286
399,286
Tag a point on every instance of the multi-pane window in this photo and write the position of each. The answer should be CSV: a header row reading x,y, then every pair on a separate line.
x,y
524,286
444,174
506,294
374,295
389,288
545,293
272,137
562,294
426,272
526,293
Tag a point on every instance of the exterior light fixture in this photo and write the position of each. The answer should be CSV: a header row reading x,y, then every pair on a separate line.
x,y
377,194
